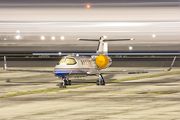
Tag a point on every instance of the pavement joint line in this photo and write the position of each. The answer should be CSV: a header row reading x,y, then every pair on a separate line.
x,y
63,91
23,91
52,92
149,76
81,88
165,94
41,88
77,86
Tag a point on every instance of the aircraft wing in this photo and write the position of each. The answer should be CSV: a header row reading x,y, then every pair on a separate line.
x,y
23,70
129,72
136,71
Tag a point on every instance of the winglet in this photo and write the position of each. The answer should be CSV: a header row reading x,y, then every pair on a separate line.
x,y
172,64
5,65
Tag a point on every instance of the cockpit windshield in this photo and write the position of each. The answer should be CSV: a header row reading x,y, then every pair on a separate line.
x,y
68,61
61,61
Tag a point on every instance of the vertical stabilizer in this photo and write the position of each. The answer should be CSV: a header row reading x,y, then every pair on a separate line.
x,y
103,46
105,50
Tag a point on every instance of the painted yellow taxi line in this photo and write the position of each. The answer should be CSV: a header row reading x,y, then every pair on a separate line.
x,y
77,86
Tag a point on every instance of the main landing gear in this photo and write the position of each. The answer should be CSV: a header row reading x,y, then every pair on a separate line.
x,y
101,80
65,81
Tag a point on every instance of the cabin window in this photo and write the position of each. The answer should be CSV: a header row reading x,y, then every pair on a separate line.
x,y
70,61
61,61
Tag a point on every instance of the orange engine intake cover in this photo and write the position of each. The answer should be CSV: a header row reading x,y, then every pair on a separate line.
x,y
102,61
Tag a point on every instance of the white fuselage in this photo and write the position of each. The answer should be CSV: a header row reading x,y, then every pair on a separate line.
x,y
75,66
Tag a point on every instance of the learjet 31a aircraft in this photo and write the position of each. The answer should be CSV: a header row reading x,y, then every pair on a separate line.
x,y
80,66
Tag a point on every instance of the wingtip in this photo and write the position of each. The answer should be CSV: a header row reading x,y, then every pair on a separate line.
x,y
172,64
5,64
132,39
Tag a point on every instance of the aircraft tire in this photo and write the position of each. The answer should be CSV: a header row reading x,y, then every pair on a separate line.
x,y
62,86
66,82
97,82
69,82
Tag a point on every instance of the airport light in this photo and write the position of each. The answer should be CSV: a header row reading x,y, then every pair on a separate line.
x,y
62,37
153,35
53,38
17,37
88,6
17,32
130,48
42,37
4,38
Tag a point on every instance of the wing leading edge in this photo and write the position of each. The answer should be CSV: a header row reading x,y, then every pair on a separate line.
x,y
100,72
137,71
22,70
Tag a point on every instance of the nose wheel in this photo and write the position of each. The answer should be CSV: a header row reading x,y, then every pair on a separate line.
x,y
101,80
65,81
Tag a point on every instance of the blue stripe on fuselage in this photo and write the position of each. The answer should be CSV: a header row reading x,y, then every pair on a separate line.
x,y
65,72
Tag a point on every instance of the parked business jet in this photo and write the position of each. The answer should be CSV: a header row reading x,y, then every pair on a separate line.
x,y
80,66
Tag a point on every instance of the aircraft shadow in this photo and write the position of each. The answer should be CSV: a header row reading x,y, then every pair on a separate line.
x,y
106,78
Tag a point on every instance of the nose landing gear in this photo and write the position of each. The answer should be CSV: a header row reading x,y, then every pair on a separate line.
x,y
65,81
101,80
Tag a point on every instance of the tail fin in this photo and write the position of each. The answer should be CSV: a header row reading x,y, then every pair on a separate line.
x,y
5,65
103,45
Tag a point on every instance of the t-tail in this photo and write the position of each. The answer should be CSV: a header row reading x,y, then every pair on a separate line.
x,y
103,45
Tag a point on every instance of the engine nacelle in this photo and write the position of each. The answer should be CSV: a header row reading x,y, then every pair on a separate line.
x,y
103,61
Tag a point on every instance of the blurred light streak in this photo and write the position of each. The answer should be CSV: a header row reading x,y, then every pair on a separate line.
x,y
62,37
94,4
90,23
17,37
42,37
53,38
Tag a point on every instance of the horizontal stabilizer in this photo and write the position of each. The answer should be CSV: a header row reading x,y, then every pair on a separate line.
x,y
118,39
105,39
88,39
